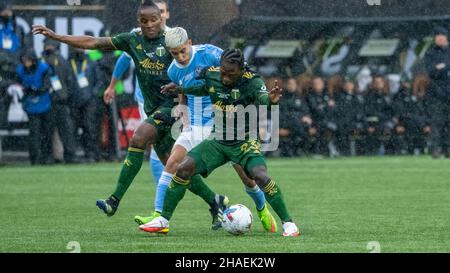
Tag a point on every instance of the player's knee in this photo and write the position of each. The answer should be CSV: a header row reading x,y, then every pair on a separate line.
x,y
144,134
186,168
260,176
138,141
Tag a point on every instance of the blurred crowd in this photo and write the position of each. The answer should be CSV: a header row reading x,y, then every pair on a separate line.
x,y
322,116
62,98
340,116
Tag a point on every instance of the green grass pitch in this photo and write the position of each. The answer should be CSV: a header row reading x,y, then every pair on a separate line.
x,y
341,205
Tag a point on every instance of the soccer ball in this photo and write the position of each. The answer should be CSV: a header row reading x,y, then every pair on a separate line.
x,y
237,219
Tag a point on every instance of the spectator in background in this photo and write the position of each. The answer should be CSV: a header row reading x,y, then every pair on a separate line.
x,y
12,40
401,103
83,103
360,131
319,103
420,120
103,71
61,79
334,84
34,76
413,120
437,63
295,120
8,66
348,110
378,111
12,37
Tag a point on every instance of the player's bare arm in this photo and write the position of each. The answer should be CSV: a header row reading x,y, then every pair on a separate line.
x,y
84,41
171,89
110,92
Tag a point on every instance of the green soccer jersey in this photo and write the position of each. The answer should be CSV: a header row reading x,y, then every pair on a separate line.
x,y
151,61
235,108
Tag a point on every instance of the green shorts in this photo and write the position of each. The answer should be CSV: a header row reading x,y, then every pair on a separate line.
x,y
211,154
160,119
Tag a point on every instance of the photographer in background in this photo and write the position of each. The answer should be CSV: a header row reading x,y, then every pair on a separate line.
x,y
83,103
34,76
60,79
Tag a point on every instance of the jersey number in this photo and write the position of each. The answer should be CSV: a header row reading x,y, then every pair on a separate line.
x,y
251,146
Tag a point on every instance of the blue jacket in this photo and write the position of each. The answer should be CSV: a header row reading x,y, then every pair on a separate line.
x,y
35,82
36,88
7,33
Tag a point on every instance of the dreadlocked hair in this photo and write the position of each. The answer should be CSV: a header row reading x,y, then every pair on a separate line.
x,y
234,56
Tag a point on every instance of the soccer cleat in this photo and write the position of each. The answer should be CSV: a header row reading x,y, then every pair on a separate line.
x,y
220,204
267,220
290,230
108,206
140,220
157,225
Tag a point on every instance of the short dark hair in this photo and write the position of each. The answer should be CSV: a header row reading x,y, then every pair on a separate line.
x,y
234,56
28,54
145,4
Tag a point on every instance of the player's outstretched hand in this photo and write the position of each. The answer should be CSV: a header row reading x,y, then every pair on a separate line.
x,y
275,93
39,29
170,89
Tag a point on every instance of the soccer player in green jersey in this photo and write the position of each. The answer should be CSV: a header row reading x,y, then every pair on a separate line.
x,y
231,88
146,48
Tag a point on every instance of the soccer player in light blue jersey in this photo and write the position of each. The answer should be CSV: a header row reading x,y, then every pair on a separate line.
x,y
189,61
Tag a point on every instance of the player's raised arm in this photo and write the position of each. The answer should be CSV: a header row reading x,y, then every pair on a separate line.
x,y
172,88
265,97
85,42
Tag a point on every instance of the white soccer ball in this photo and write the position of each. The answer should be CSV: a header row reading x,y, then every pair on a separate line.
x,y
237,219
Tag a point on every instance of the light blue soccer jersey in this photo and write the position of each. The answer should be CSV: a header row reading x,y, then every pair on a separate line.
x,y
200,108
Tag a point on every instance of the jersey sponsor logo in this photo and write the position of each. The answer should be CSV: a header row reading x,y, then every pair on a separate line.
x,y
235,94
160,51
219,105
187,78
212,90
139,46
149,64
223,96
149,54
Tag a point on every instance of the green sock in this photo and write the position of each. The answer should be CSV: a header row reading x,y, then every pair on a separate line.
x,y
199,187
274,197
130,168
175,192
